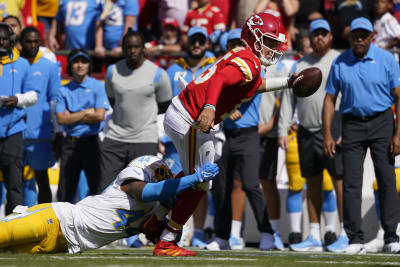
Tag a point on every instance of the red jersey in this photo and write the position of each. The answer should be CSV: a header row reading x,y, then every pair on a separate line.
x,y
209,17
194,95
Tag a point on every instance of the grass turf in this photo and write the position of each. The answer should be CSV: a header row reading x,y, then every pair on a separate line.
x,y
248,257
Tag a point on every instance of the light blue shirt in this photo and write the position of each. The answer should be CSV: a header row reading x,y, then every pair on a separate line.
x,y
15,78
48,82
114,22
365,83
79,21
250,114
76,97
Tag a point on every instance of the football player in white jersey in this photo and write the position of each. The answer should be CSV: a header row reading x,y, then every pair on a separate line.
x,y
141,194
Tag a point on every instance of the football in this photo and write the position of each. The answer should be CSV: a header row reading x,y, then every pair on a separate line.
x,y
306,82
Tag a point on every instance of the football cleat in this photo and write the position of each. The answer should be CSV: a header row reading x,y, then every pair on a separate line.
x,y
392,248
355,249
339,245
309,244
166,248
218,244
376,245
329,238
295,237
236,243
266,242
278,244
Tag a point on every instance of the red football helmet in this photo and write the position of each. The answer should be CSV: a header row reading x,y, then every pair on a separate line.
x,y
258,34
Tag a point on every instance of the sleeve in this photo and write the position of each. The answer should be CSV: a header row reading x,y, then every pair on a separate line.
x,y
60,101
60,12
30,81
392,27
246,67
228,76
332,85
287,105
108,81
394,73
219,21
163,86
54,82
131,8
101,96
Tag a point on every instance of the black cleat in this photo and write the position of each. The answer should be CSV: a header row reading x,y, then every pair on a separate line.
x,y
329,238
295,237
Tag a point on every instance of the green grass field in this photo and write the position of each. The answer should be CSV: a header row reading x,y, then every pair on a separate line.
x,y
248,257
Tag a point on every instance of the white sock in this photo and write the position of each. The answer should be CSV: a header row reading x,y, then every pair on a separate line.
x,y
235,229
330,219
315,231
209,223
342,231
295,222
275,225
168,236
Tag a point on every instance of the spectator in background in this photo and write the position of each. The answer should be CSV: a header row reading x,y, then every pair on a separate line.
x,y
218,40
16,26
310,141
78,20
18,84
169,42
80,108
176,9
46,11
189,67
138,91
347,11
285,10
386,27
205,15
38,132
116,18
309,10
368,78
11,7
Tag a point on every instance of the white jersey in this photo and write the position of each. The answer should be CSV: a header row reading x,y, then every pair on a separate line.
x,y
98,220
386,29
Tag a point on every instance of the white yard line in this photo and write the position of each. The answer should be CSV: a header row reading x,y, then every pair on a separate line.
x,y
353,262
149,257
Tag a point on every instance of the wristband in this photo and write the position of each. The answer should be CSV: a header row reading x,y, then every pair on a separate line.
x,y
209,106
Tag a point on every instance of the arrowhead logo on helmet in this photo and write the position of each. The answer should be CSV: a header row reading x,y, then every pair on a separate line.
x,y
263,34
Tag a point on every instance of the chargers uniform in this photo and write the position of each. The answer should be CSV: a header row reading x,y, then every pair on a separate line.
x,y
91,223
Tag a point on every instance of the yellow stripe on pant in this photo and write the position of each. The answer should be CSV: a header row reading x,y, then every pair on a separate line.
x,y
35,231
296,181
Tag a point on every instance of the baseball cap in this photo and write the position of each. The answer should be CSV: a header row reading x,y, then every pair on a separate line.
x,y
79,54
196,30
169,21
234,34
361,23
319,24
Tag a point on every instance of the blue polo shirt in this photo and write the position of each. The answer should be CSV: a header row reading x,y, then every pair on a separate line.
x,y
15,78
76,97
79,20
114,23
38,124
250,114
365,83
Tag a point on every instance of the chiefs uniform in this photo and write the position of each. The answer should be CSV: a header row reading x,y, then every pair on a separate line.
x,y
209,17
187,106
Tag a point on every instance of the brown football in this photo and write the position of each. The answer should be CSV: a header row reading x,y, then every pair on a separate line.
x,y
307,82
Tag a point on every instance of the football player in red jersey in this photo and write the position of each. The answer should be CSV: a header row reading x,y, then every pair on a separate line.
x,y
208,100
205,15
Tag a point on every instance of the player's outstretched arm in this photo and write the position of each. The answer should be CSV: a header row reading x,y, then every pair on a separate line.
x,y
166,189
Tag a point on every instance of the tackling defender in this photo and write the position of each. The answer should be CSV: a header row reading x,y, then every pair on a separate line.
x,y
119,212
209,99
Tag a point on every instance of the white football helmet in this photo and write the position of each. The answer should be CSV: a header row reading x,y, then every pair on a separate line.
x,y
156,169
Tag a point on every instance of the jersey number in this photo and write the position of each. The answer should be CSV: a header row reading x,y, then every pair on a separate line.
x,y
75,13
127,217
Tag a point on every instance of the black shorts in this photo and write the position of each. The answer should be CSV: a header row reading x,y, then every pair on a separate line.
x,y
312,158
268,157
